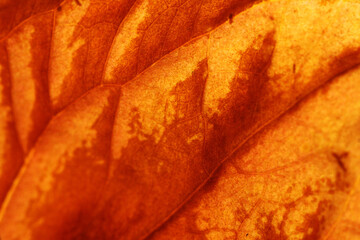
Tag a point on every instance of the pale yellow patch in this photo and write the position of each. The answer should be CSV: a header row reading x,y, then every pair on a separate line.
x,y
150,92
195,137
202,224
65,152
289,159
225,49
159,166
303,30
213,214
66,133
23,83
5,118
220,235
129,32
65,45
170,110
299,215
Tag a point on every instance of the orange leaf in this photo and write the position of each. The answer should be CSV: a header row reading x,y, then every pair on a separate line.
x,y
122,111
295,179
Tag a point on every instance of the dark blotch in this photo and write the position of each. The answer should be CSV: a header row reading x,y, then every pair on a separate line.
x,y
78,2
339,157
231,18
241,109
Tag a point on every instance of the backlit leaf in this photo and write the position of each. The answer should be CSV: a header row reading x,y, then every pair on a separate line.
x,y
179,119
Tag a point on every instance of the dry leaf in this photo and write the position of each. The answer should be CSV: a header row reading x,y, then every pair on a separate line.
x,y
116,116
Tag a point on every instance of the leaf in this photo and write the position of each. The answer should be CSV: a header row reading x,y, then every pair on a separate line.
x,y
13,13
295,179
124,110
60,54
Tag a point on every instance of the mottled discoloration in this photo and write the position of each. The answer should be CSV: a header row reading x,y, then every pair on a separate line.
x,y
241,108
165,27
167,103
11,153
170,157
23,82
291,170
77,140
195,90
29,62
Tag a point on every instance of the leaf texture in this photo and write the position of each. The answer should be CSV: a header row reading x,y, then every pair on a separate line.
x,y
295,179
118,114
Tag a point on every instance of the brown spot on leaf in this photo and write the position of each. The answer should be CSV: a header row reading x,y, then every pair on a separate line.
x,y
339,157
313,225
78,2
267,230
161,171
338,65
97,32
231,18
240,109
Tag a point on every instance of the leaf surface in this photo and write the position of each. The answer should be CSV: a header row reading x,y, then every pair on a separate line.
x,y
123,111
295,179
